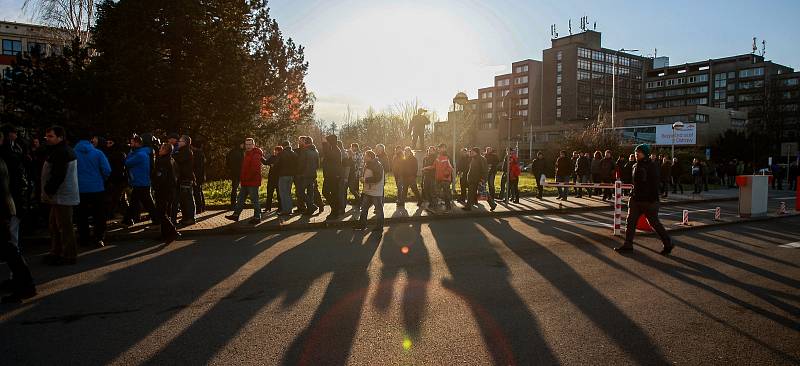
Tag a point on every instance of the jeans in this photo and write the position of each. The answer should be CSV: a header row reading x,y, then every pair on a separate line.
x,y
513,190
343,192
490,181
539,187
94,205
429,189
462,180
272,188
251,192
563,191
443,190
331,193
62,234
9,252
306,192
366,201
285,193
472,194
353,185
650,210
581,179
186,193
199,199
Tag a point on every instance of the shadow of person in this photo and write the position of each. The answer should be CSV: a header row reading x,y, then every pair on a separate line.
x,y
328,337
509,329
628,335
137,298
403,249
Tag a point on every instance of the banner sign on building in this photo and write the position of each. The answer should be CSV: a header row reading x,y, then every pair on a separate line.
x,y
687,135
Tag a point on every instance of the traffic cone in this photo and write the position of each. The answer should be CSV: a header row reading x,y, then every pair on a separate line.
x,y
643,224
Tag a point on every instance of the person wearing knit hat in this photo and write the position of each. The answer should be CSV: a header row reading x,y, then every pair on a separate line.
x,y
644,200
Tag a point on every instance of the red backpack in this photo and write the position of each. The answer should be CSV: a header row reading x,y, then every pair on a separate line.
x,y
444,170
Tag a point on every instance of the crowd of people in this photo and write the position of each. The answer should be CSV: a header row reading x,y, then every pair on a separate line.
x,y
46,180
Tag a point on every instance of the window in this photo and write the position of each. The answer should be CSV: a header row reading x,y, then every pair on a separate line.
x,y
558,67
585,53
697,79
700,118
522,113
675,92
486,95
584,65
36,47
558,77
731,86
503,82
654,84
719,94
488,115
519,69
750,97
675,103
697,90
488,126
559,54
523,101
558,90
697,101
720,80
751,84
522,91
487,105
790,82
597,55
732,75
598,67
721,105
583,75
558,113
11,47
731,98
790,108
504,92
521,80
558,101
746,73
654,95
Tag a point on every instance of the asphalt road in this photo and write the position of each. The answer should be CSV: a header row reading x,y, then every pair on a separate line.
x,y
522,290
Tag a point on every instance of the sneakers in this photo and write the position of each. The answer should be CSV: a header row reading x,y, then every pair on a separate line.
x,y
667,249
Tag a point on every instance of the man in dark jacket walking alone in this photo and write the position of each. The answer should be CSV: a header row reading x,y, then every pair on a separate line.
x,y
644,200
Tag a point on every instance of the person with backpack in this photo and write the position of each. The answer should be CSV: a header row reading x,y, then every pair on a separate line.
x,y
444,176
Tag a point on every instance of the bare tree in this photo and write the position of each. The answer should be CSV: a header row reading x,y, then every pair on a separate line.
x,y
72,17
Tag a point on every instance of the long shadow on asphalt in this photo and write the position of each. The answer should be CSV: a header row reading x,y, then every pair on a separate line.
x,y
735,245
188,270
598,248
403,249
328,337
628,335
509,330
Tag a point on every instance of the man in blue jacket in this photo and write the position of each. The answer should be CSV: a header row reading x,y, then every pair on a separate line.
x,y
138,163
93,170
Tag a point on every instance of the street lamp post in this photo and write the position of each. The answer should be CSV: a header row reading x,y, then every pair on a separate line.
x,y
675,126
614,84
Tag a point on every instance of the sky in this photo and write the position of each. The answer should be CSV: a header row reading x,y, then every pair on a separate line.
x,y
382,53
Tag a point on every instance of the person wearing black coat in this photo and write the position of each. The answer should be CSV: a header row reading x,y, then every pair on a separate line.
x,y
538,169
20,286
184,157
677,173
462,168
607,174
644,200
583,170
272,177
286,168
331,172
199,166
666,175
164,181
118,180
233,163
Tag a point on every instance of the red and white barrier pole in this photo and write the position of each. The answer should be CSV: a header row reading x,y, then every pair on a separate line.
x,y
617,208
717,214
685,220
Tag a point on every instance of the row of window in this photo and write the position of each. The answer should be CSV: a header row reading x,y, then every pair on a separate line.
x,y
519,69
503,82
702,78
609,57
13,47
677,103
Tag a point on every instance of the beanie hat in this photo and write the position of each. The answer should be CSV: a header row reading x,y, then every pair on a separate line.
x,y
644,148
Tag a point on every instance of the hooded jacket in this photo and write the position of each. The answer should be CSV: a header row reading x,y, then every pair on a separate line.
x,y
138,164
251,168
93,168
645,181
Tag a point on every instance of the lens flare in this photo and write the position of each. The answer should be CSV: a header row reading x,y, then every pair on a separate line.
x,y
404,250
407,344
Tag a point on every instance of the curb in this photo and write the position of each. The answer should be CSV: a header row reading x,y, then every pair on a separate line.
x,y
240,229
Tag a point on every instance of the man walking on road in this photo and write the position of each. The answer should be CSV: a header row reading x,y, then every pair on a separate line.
x,y
644,200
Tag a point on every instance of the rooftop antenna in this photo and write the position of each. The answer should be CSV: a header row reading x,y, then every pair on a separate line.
x,y
595,25
763,47
754,46
570,27
655,53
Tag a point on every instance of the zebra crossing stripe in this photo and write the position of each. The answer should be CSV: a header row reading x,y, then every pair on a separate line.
x,y
794,245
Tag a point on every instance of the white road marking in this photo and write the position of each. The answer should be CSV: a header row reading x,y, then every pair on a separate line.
x,y
794,245
783,198
568,221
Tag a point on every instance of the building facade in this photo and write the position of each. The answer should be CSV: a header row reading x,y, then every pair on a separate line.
x,y
18,38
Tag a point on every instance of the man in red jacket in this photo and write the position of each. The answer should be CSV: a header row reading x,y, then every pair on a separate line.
x,y
250,180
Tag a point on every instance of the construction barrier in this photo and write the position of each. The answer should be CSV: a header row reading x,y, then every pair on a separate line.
x,y
618,186
782,210
717,214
